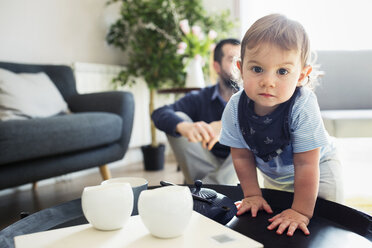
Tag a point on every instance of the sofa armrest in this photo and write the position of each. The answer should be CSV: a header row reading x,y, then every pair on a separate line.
x,y
110,101
116,102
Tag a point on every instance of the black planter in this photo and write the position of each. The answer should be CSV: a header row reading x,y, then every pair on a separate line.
x,y
153,157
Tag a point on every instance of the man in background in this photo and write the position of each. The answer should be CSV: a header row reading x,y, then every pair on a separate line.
x,y
193,123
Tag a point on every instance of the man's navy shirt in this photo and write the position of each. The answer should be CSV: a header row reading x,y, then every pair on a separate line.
x,y
205,105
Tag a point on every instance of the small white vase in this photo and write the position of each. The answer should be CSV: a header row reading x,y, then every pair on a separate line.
x,y
108,206
166,211
194,74
138,184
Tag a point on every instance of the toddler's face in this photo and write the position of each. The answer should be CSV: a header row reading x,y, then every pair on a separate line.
x,y
270,76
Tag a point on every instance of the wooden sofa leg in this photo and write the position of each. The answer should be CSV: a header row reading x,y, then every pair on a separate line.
x,y
105,172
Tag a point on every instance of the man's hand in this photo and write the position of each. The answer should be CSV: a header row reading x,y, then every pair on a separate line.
x,y
216,127
200,131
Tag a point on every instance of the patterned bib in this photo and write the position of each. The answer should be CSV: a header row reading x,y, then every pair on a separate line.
x,y
265,135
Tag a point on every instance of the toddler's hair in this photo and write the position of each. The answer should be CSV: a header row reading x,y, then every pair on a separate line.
x,y
278,30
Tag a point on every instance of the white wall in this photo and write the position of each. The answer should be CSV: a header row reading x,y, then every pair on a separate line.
x,y
57,31
65,31
71,31
331,24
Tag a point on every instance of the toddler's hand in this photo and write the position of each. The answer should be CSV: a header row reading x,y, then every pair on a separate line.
x,y
290,219
253,203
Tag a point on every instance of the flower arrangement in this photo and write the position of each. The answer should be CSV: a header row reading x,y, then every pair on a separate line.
x,y
195,44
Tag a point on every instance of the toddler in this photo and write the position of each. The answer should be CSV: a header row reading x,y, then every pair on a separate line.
x,y
274,124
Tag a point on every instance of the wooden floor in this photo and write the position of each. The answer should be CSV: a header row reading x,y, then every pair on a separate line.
x,y
354,154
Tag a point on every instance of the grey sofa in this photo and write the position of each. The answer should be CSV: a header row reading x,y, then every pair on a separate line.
x,y
345,92
96,133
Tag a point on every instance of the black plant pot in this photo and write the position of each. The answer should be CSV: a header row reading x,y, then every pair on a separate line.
x,y
153,157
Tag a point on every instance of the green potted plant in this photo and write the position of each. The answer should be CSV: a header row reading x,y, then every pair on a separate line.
x,y
149,33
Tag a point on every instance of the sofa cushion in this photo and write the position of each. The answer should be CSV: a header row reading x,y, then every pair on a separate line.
x,y
36,138
28,95
348,123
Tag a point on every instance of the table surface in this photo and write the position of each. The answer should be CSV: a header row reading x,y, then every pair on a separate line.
x,y
333,225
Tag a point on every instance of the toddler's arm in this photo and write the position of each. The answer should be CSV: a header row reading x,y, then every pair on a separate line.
x,y
306,183
245,167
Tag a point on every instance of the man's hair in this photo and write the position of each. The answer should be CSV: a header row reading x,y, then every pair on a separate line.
x,y
276,29
218,53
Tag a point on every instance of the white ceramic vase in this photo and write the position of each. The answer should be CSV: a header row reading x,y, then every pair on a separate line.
x,y
166,211
194,74
137,183
108,206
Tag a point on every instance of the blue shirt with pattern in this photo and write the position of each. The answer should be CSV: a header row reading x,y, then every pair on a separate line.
x,y
307,133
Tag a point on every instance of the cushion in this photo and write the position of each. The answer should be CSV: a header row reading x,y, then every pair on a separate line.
x,y
28,95
43,137
348,123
